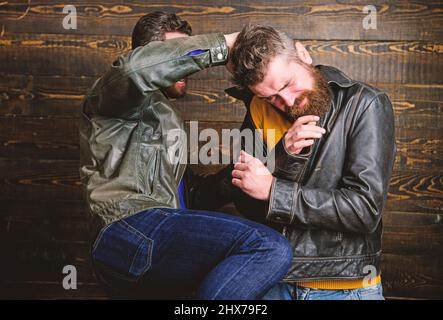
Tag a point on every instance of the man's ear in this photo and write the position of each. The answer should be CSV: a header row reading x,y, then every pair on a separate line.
x,y
303,54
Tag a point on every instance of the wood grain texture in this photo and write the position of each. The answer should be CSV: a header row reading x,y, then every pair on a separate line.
x,y
58,138
416,106
403,20
46,70
59,179
403,275
51,290
412,275
56,235
414,233
80,55
26,140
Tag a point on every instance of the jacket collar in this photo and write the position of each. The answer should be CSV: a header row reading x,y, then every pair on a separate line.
x,y
332,75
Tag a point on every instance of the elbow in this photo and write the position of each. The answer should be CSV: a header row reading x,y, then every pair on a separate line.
x,y
372,227
370,220
367,208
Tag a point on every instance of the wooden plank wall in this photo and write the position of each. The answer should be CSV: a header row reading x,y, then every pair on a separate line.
x,y
45,71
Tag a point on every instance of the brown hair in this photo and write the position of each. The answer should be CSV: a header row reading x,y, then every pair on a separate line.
x,y
254,48
152,27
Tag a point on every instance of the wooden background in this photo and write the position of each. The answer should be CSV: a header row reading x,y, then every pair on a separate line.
x,y
45,71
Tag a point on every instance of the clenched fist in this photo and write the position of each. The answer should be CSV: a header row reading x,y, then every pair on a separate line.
x,y
252,176
302,134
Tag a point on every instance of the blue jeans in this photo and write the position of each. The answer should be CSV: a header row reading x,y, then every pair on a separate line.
x,y
178,253
286,291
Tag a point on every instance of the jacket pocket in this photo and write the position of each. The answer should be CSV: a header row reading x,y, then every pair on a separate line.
x,y
124,248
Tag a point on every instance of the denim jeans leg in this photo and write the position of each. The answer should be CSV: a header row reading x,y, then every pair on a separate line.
x,y
281,291
369,293
258,260
171,251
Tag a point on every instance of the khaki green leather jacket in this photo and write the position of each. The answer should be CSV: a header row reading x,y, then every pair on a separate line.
x,y
125,124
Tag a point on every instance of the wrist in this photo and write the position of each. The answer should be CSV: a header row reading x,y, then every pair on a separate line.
x,y
267,196
230,39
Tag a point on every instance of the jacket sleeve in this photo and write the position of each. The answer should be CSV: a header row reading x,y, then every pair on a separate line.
x,y
283,164
213,191
357,204
159,64
210,192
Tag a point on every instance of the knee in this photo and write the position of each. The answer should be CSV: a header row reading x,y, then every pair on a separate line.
x,y
278,247
283,250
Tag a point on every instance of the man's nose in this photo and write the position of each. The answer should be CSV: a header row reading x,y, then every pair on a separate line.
x,y
287,98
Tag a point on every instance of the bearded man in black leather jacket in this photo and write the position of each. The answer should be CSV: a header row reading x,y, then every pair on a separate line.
x,y
325,182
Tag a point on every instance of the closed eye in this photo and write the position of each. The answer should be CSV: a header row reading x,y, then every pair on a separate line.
x,y
269,99
272,98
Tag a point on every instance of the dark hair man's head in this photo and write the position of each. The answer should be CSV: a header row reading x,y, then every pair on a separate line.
x,y
154,26
160,26
268,62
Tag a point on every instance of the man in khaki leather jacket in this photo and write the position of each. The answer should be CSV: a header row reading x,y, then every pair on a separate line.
x,y
146,243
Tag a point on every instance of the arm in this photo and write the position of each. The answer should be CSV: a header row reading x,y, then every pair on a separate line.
x,y
210,192
294,149
357,205
159,64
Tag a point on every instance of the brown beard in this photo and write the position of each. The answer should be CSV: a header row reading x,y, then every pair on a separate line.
x,y
318,99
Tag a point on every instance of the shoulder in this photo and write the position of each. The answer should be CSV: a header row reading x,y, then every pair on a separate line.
x,y
362,93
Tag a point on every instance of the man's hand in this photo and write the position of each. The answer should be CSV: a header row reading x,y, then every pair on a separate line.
x,y
302,134
252,176
230,40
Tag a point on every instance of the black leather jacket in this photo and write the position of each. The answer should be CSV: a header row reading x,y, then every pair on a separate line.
x,y
328,202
